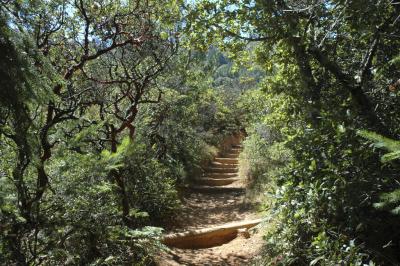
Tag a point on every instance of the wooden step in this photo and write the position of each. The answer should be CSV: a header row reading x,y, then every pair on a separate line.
x,y
238,146
208,237
220,175
226,160
235,151
215,189
215,182
221,170
231,155
224,165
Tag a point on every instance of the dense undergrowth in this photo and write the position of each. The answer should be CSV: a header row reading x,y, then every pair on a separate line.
x,y
331,199
99,129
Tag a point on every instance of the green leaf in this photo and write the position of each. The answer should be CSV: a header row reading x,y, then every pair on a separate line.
x,y
313,165
316,260
164,35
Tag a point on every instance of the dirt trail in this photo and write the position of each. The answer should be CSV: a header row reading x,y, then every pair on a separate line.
x,y
207,206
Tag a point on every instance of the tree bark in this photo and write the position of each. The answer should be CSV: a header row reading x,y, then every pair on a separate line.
x,y
313,91
363,103
119,180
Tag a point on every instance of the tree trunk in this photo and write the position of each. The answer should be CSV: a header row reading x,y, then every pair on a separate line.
x,y
313,91
361,100
119,180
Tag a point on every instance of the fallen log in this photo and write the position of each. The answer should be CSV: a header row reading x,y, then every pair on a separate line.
x,y
207,237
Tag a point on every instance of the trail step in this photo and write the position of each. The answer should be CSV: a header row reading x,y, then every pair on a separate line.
x,y
220,175
226,160
216,182
224,165
230,155
238,146
221,170
236,152
216,189
207,237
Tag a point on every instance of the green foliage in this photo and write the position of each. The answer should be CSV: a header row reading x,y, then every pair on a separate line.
x,y
150,184
329,72
392,199
102,118
392,146
66,173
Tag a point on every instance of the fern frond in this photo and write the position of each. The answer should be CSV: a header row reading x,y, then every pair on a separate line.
x,y
387,200
382,142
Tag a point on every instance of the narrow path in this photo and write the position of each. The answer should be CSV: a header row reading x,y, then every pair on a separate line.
x,y
212,228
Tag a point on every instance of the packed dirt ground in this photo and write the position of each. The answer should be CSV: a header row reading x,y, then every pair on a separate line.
x,y
205,208
202,210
